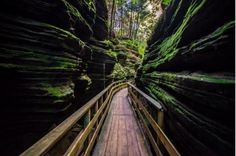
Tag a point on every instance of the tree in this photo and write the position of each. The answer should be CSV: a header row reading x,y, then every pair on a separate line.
x,y
133,19
112,18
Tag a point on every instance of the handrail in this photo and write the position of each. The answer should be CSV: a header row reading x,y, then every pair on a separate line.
x,y
149,121
148,98
99,103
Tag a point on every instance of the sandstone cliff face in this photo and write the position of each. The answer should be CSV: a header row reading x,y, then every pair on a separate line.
x,y
189,68
48,54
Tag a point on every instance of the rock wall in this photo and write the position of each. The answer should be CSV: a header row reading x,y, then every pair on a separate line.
x,y
49,49
189,68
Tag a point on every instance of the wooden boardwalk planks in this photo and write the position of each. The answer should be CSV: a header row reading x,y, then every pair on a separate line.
x,y
120,135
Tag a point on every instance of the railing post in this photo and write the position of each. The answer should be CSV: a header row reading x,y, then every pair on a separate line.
x,y
160,122
87,118
137,95
106,94
96,109
130,95
160,118
101,100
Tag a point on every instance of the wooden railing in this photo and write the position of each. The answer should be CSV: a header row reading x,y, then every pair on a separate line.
x,y
151,114
86,123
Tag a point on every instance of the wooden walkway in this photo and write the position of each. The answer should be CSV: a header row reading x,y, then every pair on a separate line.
x,y
120,135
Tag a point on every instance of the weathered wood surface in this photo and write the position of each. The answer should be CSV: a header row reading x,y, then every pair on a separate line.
x,y
120,135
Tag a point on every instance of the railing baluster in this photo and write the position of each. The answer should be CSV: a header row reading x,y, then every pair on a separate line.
x,y
160,122
86,120
160,118
100,101
96,109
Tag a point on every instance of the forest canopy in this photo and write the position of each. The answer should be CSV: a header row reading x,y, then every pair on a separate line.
x,y
134,19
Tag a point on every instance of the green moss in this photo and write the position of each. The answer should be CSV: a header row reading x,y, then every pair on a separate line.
x,y
176,77
214,37
167,49
59,91
176,12
91,5
64,68
213,79
160,94
75,13
167,99
37,60
65,33
86,78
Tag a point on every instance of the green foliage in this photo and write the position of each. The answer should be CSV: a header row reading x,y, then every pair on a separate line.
x,y
166,2
141,48
135,1
112,53
121,73
136,45
108,43
133,18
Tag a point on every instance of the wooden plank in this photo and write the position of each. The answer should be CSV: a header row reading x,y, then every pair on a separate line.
x,y
122,147
112,144
132,137
149,134
103,137
121,135
164,139
93,139
140,125
79,141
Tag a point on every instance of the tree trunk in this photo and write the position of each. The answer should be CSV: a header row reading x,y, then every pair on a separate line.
x,y
131,22
121,22
137,26
114,18
111,19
